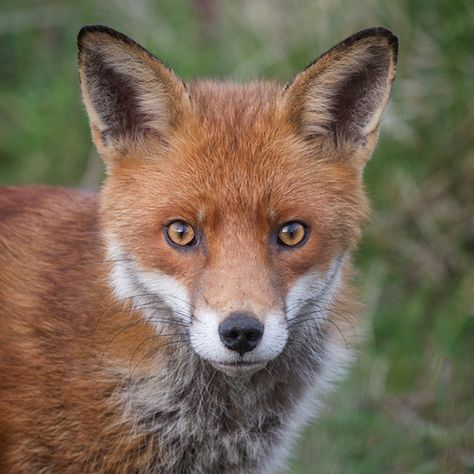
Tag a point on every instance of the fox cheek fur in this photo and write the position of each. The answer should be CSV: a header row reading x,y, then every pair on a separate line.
x,y
204,350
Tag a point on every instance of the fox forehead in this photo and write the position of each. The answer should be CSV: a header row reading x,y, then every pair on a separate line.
x,y
228,146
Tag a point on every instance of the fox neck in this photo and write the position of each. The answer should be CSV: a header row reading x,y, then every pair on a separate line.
x,y
193,408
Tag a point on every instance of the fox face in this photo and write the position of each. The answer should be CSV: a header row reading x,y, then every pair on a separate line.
x,y
233,209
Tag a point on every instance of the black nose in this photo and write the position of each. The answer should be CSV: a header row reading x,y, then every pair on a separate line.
x,y
241,332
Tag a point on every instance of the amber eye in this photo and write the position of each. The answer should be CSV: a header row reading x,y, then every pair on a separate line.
x,y
292,233
180,233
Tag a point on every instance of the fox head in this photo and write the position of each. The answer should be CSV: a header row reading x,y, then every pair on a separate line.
x,y
233,208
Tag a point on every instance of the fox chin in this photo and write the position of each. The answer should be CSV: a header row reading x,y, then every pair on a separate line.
x,y
191,316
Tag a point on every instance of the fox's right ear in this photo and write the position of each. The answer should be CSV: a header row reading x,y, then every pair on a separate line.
x,y
129,94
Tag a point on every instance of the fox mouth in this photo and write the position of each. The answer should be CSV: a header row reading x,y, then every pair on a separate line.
x,y
241,366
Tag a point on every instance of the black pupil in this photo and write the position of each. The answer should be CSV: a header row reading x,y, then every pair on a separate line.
x,y
181,229
291,230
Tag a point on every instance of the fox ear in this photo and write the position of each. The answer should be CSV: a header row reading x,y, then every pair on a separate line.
x,y
129,94
343,93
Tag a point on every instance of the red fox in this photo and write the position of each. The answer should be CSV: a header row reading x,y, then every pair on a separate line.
x,y
190,317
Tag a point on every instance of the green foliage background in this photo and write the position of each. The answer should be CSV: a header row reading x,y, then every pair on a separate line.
x,y
408,405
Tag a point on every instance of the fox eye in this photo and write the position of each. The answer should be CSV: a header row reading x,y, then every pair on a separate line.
x,y
180,233
292,234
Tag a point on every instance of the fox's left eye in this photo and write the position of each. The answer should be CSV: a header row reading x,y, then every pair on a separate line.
x,y
180,233
292,234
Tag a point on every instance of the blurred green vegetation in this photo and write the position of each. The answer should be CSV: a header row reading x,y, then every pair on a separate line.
x,y
408,405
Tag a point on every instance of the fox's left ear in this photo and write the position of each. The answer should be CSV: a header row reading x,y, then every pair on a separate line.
x,y
129,94
343,93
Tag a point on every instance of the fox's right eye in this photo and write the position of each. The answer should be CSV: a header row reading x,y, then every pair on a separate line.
x,y
180,233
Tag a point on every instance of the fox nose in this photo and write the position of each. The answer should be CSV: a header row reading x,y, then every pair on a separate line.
x,y
241,332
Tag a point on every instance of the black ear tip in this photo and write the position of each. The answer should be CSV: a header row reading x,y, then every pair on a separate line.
x,y
377,31
390,36
87,30
380,31
374,31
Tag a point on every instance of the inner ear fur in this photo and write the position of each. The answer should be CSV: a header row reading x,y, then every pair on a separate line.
x,y
343,93
128,92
